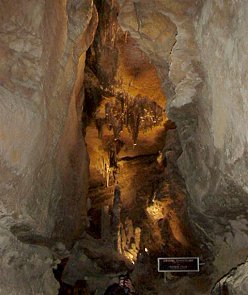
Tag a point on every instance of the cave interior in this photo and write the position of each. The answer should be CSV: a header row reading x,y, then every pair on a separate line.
x,y
123,139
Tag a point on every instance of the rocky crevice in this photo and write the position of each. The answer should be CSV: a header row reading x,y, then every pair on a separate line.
x,y
153,194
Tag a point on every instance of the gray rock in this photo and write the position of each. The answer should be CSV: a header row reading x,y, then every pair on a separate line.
x,y
235,282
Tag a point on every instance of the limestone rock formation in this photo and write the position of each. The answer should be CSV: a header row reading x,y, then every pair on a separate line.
x,y
25,269
221,186
95,261
43,162
236,282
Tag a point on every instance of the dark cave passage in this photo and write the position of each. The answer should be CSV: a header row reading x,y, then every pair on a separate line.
x,y
136,198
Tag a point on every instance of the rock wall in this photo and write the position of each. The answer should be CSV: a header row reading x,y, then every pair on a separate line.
x,y
219,33
234,282
43,163
201,61
220,28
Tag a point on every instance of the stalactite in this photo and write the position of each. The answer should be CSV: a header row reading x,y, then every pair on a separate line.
x,y
126,36
107,110
99,126
136,113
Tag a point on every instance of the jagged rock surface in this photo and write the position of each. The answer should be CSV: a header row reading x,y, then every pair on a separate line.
x,y
43,163
221,130
25,268
95,261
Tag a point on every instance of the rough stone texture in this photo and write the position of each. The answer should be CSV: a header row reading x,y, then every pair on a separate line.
x,y
220,27
204,76
95,261
219,30
43,159
25,269
236,282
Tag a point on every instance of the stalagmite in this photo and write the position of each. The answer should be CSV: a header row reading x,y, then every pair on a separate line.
x,y
105,223
107,175
116,217
137,233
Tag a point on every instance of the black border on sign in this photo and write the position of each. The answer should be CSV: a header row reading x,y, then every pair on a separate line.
x,y
178,258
